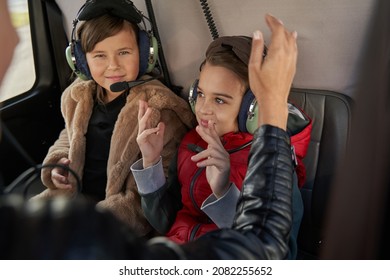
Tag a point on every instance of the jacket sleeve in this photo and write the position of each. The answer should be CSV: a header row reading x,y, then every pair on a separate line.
x,y
222,210
262,224
60,149
160,207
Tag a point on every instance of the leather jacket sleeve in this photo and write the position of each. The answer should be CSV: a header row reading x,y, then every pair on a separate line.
x,y
263,220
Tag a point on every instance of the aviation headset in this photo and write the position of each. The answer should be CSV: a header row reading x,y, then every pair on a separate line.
x,y
241,47
125,9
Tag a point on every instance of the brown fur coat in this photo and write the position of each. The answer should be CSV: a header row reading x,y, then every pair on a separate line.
x,y
122,197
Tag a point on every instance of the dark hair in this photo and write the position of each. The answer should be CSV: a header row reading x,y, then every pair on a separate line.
x,y
229,60
97,29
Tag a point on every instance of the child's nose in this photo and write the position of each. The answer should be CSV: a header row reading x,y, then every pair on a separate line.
x,y
206,107
113,63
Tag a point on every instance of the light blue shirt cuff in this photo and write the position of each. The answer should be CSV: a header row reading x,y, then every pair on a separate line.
x,y
150,179
221,211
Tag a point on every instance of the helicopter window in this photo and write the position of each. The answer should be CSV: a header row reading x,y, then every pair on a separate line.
x,y
20,76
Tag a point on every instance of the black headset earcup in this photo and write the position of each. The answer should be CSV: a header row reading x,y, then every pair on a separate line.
x,y
192,95
82,69
247,117
148,52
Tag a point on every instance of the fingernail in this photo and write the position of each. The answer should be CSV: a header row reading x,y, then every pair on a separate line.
x,y
257,35
295,34
281,22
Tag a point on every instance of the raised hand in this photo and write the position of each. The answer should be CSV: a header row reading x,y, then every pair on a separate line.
x,y
215,158
150,139
270,78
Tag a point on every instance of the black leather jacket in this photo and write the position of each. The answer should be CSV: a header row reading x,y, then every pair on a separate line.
x,y
73,229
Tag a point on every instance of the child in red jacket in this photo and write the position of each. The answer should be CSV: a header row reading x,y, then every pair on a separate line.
x,y
205,180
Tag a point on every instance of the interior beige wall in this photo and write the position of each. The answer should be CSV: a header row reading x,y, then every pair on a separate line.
x,y
330,34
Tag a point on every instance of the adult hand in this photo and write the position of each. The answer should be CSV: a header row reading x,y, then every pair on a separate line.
x,y
215,158
59,175
271,78
150,139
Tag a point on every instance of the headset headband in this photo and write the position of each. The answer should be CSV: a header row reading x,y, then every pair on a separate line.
x,y
240,45
120,8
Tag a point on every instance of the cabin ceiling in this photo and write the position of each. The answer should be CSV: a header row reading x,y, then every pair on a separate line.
x,y
330,34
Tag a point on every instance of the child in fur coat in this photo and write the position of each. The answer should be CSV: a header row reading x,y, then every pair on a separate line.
x,y
101,125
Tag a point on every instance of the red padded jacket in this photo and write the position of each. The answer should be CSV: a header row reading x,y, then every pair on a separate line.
x,y
191,222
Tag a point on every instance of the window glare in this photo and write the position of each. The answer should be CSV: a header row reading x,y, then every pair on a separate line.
x,y
20,76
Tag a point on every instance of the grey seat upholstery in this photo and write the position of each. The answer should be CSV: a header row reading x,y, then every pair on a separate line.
x,y
331,116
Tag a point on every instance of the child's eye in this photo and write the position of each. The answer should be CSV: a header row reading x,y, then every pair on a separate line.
x,y
200,94
219,100
98,55
123,52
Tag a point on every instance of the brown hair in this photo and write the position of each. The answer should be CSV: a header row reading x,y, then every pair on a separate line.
x,y
96,30
231,52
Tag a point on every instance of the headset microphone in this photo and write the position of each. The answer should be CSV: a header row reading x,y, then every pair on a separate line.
x,y
121,86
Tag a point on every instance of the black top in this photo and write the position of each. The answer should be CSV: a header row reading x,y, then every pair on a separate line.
x,y
98,139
